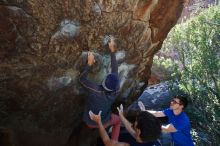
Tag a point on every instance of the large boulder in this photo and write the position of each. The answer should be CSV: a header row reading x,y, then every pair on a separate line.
x,y
155,97
44,45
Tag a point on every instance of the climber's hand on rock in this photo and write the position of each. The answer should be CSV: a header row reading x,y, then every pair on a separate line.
x,y
91,59
111,44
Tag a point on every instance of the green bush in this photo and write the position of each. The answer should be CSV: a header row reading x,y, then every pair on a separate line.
x,y
197,68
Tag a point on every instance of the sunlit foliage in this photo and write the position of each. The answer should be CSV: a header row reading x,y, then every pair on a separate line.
x,y
197,68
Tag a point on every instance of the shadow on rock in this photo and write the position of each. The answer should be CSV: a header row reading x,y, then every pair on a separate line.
x,y
83,136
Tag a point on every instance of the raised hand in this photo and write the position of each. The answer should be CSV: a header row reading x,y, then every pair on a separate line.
x,y
141,106
111,44
91,58
94,117
120,110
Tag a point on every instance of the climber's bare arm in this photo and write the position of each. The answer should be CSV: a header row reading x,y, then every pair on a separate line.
x,y
105,138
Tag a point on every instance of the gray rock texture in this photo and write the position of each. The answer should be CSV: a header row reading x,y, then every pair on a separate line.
x,y
155,97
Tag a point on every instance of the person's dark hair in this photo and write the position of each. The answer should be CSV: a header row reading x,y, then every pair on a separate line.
x,y
149,126
183,100
131,115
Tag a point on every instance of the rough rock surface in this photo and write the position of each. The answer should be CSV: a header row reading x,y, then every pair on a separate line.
x,y
155,97
44,45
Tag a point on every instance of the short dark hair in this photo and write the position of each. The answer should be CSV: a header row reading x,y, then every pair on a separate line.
x,y
183,100
149,126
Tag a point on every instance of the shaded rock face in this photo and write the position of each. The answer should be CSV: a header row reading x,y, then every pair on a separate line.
x,y
156,97
44,44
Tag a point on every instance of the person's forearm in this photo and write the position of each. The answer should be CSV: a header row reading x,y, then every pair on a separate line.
x,y
105,138
127,125
168,128
156,113
114,64
152,112
91,86
84,72
164,129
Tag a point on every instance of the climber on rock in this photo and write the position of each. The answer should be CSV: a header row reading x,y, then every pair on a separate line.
x,y
102,96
